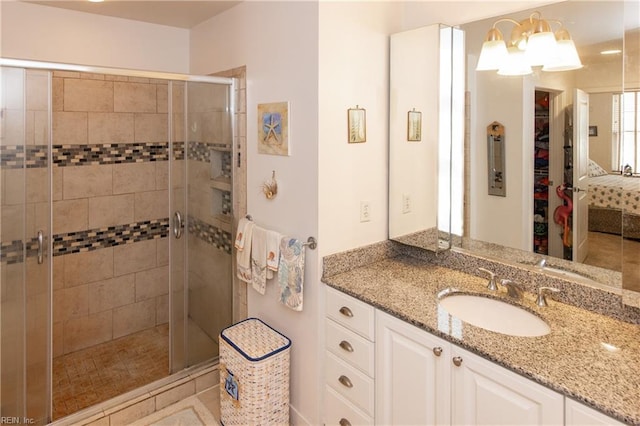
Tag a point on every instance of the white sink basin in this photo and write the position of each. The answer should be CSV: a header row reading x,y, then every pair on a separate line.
x,y
494,315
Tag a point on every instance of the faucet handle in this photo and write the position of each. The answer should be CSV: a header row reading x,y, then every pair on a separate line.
x,y
542,295
491,285
514,289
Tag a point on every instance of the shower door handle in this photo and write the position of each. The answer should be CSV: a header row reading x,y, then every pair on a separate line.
x,y
40,239
178,225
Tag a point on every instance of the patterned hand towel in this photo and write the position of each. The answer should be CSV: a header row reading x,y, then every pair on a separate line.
x,y
259,259
241,234
291,272
273,252
243,245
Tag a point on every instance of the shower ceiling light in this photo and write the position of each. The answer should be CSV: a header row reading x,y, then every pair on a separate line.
x,y
531,44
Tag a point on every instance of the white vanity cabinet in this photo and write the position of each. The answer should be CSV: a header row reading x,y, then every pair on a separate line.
x,y
484,393
382,370
422,379
577,414
349,361
413,371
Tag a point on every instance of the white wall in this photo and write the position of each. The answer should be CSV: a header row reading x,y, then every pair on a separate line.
x,y
413,167
354,71
278,43
600,115
53,34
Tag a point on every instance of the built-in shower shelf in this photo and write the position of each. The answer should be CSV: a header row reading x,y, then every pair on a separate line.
x,y
222,221
222,183
221,148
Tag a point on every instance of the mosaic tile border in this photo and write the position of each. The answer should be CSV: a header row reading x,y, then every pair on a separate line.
x,y
83,241
17,157
201,151
94,239
210,234
35,156
178,150
14,251
109,153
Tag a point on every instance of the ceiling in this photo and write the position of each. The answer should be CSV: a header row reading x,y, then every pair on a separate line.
x,y
174,13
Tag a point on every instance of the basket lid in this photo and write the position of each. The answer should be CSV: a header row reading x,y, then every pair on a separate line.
x,y
254,339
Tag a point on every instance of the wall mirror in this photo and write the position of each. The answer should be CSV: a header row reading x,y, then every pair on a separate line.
x,y
561,130
426,99
505,225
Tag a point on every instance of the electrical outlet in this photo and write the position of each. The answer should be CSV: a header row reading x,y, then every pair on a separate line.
x,y
406,203
365,211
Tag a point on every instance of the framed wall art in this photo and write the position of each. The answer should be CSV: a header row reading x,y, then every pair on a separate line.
x,y
273,128
414,126
357,124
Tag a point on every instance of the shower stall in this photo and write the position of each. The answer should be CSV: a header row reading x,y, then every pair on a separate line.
x,y
116,229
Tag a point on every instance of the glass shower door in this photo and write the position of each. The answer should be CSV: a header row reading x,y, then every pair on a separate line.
x,y
201,182
25,203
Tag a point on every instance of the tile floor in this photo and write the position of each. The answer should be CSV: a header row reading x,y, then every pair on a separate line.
x,y
101,372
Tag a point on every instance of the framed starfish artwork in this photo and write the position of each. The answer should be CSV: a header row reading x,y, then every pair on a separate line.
x,y
273,128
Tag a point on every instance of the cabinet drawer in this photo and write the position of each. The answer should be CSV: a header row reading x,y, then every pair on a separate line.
x,y
351,347
350,382
351,313
339,411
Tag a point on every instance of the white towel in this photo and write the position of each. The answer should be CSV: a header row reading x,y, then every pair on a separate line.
x,y
291,272
259,259
241,234
273,252
243,245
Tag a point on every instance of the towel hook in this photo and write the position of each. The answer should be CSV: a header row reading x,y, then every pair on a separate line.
x,y
270,188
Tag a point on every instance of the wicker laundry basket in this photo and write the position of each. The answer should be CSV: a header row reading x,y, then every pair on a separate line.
x,y
254,374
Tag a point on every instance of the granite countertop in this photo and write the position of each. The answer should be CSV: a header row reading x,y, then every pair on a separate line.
x,y
572,359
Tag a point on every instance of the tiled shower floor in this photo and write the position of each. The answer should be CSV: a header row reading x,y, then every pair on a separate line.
x,y
101,372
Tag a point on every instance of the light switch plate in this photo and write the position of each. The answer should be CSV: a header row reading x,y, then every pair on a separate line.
x,y
365,211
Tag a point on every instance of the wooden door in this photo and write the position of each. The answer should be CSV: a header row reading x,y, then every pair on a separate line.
x,y
580,175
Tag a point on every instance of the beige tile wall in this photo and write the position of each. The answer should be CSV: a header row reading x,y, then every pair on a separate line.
x,y
240,308
111,292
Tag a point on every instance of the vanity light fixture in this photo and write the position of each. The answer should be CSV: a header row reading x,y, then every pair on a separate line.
x,y
96,1
532,44
611,52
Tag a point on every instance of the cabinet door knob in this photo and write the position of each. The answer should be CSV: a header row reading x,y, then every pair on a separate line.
x,y
457,361
345,381
346,346
344,422
437,351
346,312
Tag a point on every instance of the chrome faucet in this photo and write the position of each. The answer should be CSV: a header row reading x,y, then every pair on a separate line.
x,y
491,285
542,263
542,293
514,289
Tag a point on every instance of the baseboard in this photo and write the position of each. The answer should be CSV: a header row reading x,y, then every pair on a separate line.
x,y
295,418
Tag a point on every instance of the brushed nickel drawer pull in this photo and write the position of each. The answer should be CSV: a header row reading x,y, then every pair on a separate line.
x,y
437,351
346,346
344,422
345,381
346,312
457,361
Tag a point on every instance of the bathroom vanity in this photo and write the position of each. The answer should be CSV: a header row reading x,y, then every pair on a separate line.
x,y
395,356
